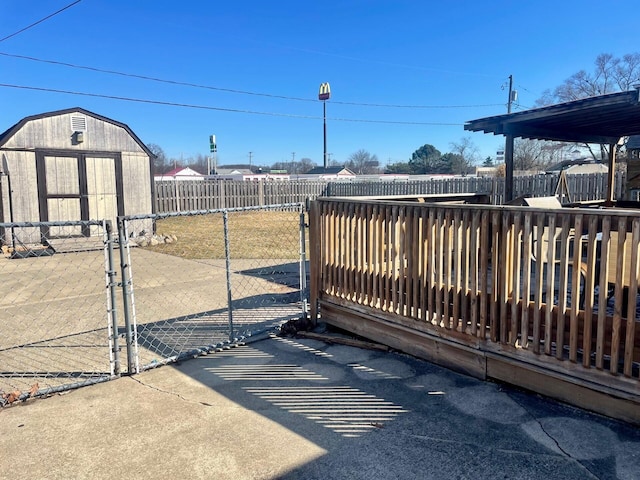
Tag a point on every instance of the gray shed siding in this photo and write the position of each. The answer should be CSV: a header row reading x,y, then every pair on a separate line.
x,y
108,173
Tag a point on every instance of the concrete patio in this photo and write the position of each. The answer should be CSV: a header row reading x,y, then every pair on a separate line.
x,y
301,408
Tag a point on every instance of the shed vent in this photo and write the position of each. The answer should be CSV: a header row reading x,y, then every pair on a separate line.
x,y
78,124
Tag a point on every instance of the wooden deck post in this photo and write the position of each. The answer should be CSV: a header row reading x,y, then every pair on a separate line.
x,y
611,176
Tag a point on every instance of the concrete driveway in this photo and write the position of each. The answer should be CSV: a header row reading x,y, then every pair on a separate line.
x,y
300,408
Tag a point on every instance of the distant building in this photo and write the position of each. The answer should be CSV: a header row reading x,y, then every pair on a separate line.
x,y
329,173
578,166
488,171
180,173
223,171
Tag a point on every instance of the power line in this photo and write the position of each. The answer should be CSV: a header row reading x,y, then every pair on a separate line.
x,y
155,79
221,109
415,106
40,21
231,90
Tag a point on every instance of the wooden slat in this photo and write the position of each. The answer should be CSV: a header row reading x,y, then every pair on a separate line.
x,y
447,252
563,285
550,286
620,260
527,248
439,263
458,251
632,302
538,283
589,290
416,262
603,290
477,269
496,273
509,329
575,289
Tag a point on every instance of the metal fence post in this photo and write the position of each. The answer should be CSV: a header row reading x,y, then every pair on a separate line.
x,y
112,309
126,282
227,254
303,263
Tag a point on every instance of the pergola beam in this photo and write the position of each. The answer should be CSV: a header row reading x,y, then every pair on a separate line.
x,y
602,119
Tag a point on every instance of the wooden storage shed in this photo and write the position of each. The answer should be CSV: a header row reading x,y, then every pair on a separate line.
x,y
72,165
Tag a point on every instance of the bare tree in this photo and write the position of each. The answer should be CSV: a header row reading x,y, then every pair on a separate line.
x,y
467,155
534,155
306,164
161,163
362,162
611,74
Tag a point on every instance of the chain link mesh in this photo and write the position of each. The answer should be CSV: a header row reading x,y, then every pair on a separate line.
x,y
182,277
187,283
265,262
54,307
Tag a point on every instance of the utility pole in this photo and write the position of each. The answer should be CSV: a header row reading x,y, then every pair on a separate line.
x,y
511,96
508,152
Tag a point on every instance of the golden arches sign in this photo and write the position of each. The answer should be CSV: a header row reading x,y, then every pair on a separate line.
x,y
325,91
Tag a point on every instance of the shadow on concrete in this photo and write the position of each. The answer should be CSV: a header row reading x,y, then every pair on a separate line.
x,y
387,416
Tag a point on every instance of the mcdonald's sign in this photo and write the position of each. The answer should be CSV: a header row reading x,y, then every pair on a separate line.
x,y
325,91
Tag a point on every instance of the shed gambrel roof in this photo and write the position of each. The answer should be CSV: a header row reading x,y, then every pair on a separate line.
x,y
7,134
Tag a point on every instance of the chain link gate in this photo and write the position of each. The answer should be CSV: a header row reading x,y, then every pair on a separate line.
x,y
195,281
190,283
58,302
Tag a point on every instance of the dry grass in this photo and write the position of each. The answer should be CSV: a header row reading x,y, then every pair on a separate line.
x,y
252,234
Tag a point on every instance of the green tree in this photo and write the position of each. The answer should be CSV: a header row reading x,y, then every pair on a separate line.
x,y
454,163
426,159
399,167
488,162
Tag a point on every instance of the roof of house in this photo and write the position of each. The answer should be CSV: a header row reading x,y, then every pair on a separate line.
x,y
182,172
234,171
7,134
587,164
329,171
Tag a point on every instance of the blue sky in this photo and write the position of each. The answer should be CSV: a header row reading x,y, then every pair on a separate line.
x,y
454,55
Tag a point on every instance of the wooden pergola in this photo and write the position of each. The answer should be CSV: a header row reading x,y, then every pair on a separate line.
x,y
604,119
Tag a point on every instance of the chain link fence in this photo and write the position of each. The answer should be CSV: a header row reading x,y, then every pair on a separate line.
x,y
197,280
80,303
57,299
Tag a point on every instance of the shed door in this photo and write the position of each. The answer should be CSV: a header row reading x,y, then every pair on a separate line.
x,y
102,192
78,186
63,198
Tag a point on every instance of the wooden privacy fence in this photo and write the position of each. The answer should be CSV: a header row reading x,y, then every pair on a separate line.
x,y
544,299
584,187
185,195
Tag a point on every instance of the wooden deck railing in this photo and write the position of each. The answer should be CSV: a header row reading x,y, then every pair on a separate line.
x,y
557,289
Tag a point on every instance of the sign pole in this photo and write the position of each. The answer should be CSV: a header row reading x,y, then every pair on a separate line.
x,y
323,95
